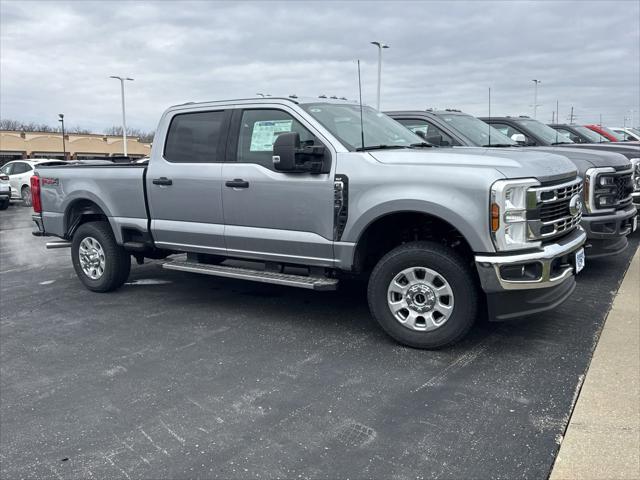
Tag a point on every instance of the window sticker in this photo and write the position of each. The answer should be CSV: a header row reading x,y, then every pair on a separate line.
x,y
265,133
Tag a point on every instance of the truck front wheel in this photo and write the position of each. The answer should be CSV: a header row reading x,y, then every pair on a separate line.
x,y
423,295
100,263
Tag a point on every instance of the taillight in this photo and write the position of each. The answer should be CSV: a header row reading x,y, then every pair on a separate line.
x,y
35,194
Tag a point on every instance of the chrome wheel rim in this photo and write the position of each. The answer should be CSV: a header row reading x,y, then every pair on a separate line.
x,y
420,299
92,259
26,196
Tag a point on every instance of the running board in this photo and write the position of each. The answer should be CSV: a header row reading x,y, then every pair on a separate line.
x,y
300,281
59,244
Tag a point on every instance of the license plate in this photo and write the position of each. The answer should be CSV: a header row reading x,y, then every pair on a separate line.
x,y
634,224
579,260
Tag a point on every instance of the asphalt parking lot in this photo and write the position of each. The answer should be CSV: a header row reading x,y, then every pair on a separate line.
x,y
179,375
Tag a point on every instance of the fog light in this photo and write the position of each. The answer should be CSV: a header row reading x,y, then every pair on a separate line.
x,y
522,271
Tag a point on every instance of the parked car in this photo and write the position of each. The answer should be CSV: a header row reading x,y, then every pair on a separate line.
x,y
286,182
531,133
5,192
19,173
607,225
628,134
580,134
605,132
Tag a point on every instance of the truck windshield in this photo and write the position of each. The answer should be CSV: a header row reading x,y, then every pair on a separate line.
x,y
546,133
481,134
594,137
380,131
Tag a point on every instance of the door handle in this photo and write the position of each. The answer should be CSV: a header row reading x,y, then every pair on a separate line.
x,y
162,181
237,183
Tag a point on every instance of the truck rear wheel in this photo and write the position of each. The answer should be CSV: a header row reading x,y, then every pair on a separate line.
x,y
100,263
423,295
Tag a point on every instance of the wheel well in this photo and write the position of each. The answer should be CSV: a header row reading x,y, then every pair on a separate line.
x,y
79,212
392,230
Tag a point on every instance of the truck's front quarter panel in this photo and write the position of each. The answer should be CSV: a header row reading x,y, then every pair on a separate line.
x,y
377,189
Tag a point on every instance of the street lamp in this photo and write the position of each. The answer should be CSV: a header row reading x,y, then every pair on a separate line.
x,y
380,46
64,147
535,97
124,122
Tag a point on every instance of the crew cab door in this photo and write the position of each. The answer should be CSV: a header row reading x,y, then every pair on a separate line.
x,y
271,215
184,183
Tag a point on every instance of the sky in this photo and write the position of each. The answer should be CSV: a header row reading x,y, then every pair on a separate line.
x,y
56,57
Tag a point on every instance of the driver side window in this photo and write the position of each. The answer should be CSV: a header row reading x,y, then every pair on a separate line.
x,y
428,131
572,136
508,130
259,130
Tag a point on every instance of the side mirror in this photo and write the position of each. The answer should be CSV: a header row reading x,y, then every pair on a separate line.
x,y
289,156
421,134
519,138
284,151
435,140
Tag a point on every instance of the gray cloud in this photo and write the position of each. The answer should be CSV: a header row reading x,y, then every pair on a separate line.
x,y
56,57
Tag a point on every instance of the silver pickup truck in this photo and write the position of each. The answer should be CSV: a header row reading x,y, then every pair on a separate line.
x,y
306,192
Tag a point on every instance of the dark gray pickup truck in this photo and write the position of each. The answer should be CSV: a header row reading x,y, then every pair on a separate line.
x,y
610,178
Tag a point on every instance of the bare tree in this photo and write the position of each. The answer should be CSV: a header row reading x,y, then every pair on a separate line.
x,y
15,125
146,137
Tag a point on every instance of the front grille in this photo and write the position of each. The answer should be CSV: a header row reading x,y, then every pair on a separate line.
x,y
549,210
624,187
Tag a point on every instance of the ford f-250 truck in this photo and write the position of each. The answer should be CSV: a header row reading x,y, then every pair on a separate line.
x,y
608,217
322,185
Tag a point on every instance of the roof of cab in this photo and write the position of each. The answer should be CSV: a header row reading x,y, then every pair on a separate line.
x,y
291,99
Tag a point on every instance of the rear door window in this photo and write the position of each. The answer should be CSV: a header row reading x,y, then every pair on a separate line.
x,y
195,137
20,167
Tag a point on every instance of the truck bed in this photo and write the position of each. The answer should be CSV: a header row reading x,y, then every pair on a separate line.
x,y
118,190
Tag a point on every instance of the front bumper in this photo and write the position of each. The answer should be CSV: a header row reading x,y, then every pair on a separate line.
x,y
607,234
547,278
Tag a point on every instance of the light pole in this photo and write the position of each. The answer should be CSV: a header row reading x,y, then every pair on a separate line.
x,y
124,121
64,147
535,97
380,46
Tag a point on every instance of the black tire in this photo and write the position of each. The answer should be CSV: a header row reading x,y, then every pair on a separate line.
x,y
117,262
450,266
26,196
4,204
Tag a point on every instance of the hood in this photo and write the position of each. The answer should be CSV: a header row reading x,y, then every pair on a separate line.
x,y
627,149
585,158
511,162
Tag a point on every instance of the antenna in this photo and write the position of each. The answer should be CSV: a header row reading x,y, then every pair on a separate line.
x,y
557,117
489,143
360,94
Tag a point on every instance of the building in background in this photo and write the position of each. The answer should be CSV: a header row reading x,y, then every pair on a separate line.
x,y
17,145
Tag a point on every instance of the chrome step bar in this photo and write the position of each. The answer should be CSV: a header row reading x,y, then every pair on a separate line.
x,y
300,281
60,244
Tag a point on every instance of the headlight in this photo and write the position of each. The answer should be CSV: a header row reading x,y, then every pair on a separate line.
x,y
508,214
600,190
635,165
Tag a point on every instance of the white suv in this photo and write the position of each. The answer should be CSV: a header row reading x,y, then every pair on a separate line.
x,y
5,192
628,134
20,172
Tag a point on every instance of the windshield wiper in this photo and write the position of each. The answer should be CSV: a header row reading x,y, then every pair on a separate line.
x,y
421,145
499,145
378,147
562,143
